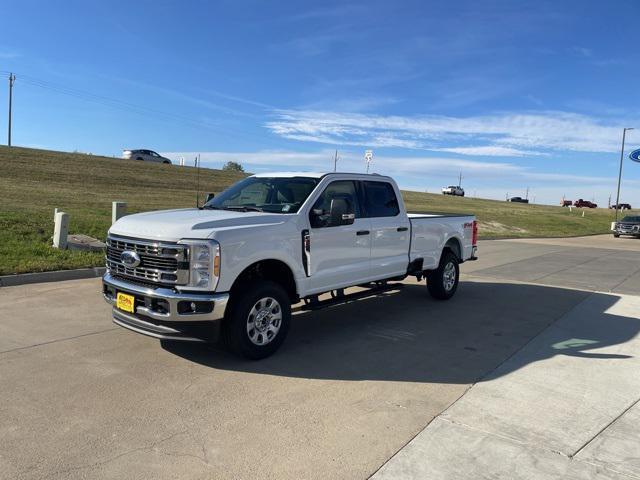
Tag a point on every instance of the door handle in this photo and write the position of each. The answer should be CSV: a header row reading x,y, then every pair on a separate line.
x,y
362,232
403,229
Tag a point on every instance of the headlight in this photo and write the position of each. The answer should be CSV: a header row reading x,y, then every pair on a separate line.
x,y
204,264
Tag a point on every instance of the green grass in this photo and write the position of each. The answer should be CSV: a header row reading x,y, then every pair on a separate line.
x,y
34,182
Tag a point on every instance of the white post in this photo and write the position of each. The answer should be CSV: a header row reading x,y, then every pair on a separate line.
x,y
118,210
60,230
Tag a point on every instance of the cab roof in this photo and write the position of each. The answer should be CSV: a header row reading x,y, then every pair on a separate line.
x,y
315,174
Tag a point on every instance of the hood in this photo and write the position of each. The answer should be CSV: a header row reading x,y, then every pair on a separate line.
x,y
174,225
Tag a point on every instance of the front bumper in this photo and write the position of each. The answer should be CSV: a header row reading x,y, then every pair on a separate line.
x,y
165,313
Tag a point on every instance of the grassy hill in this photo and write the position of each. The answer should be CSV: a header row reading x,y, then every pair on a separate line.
x,y
34,182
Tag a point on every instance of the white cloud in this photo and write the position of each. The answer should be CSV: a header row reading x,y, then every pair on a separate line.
x,y
526,133
7,54
489,151
491,179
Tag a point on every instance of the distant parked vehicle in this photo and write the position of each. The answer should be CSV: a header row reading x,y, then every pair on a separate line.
x,y
580,203
518,200
566,203
145,156
629,225
621,206
453,190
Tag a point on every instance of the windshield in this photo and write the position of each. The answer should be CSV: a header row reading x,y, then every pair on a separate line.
x,y
268,194
631,219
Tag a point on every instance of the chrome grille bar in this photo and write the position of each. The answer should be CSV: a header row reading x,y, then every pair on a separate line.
x,y
160,262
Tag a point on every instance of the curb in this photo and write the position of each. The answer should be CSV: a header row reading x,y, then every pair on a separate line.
x,y
55,276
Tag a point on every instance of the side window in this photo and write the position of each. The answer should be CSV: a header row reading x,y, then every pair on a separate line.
x,y
380,199
345,189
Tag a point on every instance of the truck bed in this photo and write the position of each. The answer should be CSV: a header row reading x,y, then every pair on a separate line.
x,y
429,231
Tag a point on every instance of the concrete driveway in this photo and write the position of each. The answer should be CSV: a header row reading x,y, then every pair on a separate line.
x,y
352,386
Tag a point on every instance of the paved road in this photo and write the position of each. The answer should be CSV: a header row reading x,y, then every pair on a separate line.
x,y
80,398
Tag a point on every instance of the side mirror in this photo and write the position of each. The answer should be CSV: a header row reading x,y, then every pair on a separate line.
x,y
209,197
341,212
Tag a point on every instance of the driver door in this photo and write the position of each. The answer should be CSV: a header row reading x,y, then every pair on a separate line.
x,y
339,256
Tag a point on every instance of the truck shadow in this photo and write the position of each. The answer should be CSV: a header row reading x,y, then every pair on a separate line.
x,y
403,335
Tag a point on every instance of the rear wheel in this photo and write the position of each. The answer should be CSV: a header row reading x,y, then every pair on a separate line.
x,y
615,235
443,281
258,320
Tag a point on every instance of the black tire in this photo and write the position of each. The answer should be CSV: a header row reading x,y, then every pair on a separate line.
x,y
440,287
140,158
615,235
166,162
235,329
462,194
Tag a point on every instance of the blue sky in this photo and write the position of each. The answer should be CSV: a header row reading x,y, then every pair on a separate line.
x,y
514,94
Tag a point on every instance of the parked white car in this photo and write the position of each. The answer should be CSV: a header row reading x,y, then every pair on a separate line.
x,y
453,190
144,155
236,265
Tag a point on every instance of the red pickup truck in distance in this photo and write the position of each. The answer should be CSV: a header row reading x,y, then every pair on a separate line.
x,y
580,203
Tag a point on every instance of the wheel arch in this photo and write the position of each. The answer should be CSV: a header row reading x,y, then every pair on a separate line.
x,y
454,245
269,269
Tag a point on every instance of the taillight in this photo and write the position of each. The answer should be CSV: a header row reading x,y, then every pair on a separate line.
x,y
474,236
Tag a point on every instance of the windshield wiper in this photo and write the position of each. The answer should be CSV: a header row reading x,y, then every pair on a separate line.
x,y
243,208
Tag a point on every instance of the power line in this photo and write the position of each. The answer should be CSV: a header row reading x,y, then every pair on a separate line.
x,y
123,105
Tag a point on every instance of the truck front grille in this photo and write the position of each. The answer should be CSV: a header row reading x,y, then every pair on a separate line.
x,y
160,262
628,227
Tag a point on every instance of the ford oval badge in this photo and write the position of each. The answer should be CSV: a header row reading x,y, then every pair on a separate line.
x,y
635,155
130,258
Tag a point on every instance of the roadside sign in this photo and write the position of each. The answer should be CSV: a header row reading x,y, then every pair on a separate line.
x,y
635,155
368,156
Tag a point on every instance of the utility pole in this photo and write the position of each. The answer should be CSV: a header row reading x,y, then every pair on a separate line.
x,y
624,134
12,79
460,179
335,161
527,194
198,181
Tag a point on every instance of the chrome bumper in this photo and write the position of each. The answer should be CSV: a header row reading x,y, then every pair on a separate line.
x,y
163,312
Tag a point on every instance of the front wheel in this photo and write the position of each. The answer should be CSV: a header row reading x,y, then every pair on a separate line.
x,y
615,235
258,320
443,281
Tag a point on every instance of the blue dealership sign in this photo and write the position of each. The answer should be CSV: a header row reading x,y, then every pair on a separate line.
x,y
635,155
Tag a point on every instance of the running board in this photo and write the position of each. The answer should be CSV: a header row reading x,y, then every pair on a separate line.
x,y
338,297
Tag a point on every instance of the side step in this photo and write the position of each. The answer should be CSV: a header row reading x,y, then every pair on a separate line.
x,y
338,297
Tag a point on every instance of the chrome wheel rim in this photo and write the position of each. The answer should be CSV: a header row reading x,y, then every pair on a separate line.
x,y
264,321
449,276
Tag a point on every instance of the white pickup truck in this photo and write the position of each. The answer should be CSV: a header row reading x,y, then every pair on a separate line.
x,y
233,267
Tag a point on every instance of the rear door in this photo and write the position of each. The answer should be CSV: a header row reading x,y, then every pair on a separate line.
x,y
338,255
390,230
